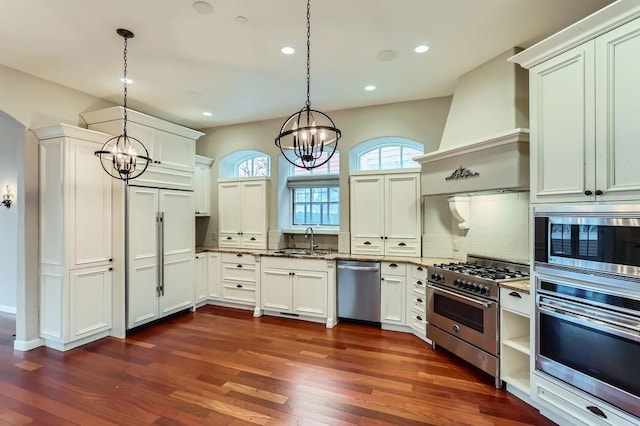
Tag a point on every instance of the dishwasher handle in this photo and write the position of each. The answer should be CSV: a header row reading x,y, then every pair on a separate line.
x,y
359,268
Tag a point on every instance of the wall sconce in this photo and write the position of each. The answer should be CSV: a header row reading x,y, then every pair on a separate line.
x,y
6,197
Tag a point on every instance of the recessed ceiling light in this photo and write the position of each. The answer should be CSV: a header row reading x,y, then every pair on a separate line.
x,y
126,80
386,55
421,48
203,8
207,114
288,50
370,88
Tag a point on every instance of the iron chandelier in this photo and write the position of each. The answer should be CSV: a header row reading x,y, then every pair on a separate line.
x,y
308,138
124,157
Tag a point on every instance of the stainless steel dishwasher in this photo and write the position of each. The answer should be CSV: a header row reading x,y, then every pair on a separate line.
x,y
359,290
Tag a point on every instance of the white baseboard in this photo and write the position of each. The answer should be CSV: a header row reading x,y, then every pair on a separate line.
x,y
8,309
27,345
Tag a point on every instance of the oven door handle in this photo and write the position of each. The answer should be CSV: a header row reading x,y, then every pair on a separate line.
x,y
482,303
613,327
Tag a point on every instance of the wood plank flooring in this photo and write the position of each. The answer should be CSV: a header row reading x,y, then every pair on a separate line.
x,y
221,366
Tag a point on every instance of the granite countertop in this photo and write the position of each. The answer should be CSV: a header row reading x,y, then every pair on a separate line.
x,y
324,255
519,285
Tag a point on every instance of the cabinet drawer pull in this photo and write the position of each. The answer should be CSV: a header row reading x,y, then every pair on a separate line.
x,y
111,269
110,260
239,255
419,268
253,238
419,300
239,285
419,282
419,318
393,265
595,410
515,294
588,192
598,192
367,243
402,244
229,238
239,266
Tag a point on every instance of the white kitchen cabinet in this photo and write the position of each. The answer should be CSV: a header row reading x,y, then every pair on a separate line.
x,y
161,275
213,276
583,128
297,288
515,342
243,207
202,185
559,403
240,280
170,146
385,214
416,312
201,287
75,238
393,293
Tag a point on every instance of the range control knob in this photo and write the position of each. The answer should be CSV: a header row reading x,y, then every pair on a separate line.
x,y
484,290
457,283
434,276
467,285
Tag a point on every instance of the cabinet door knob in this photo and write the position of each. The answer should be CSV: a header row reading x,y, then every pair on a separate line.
x,y
588,192
385,238
595,410
598,192
110,260
111,269
515,294
367,243
382,279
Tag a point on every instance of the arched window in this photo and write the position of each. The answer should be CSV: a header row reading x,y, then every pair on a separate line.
x,y
245,164
385,153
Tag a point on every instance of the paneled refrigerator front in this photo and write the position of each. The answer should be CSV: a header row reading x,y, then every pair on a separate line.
x,y
160,253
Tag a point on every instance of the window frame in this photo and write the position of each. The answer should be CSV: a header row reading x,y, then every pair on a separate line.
x,y
378,144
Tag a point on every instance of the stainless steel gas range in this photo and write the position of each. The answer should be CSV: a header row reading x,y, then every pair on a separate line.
x,y
463,301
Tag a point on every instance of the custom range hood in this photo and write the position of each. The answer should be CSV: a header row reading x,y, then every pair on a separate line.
x,y
485,143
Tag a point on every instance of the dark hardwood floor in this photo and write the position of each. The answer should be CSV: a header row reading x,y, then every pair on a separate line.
x,y
221,366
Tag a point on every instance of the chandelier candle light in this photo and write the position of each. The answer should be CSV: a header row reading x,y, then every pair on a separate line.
x,y
309,138
124,157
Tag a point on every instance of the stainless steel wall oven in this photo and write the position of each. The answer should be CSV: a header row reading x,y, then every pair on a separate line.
x,y
587,267
588,335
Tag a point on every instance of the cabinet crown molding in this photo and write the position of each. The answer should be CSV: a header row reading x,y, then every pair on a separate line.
x,y
66,130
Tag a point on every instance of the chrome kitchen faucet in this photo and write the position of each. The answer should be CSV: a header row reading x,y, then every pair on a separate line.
x,y
309,232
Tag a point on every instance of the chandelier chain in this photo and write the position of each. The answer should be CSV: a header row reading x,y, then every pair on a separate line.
x,y
124,129
308,103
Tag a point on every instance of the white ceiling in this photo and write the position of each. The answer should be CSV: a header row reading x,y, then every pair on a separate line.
x,y
184,63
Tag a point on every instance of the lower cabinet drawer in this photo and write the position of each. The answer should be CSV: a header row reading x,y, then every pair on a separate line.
x,y
575,407
518,301
418,322
393,268
239,293
418,288
419,308
369,246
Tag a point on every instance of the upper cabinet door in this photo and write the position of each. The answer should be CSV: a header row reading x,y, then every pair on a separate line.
x,y
617,121
562,130
229,215
254,206
402,212
175,152
145,134
89,206
367,206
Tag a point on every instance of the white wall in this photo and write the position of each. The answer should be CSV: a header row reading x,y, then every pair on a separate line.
x,y
34,102
499,227
422,121
11,136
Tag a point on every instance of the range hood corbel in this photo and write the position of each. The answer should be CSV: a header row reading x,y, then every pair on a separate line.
x,y
459,207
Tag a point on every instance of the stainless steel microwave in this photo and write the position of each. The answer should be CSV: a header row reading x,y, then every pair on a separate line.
x,y
602,238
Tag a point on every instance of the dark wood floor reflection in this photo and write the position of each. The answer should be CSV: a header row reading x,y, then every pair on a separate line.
x,y
221,366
